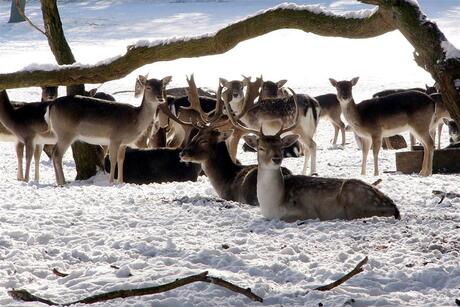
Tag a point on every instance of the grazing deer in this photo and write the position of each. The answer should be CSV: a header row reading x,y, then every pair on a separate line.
x,y
380,117
330,110
441,114
230,180
273,113
428,90
103,122
144,166
25,125
292,198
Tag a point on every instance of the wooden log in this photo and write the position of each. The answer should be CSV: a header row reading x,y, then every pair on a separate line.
x,y
445,161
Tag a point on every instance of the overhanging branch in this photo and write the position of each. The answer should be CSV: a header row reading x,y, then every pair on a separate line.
x,y
308,19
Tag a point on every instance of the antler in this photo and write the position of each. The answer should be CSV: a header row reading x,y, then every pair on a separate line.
x,y
164,107
194,99
218,111
296,118
252,92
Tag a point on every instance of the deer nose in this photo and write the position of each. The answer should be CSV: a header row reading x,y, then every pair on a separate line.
x,y
277,160
235,95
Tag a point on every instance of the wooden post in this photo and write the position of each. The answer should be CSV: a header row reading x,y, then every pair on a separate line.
x,y
445,161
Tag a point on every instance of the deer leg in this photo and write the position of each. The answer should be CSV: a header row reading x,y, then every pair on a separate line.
x,y
342,130
412,141
376,144
387,143
336,133
61,146
365,146
312,149
29,155
120,162
439,134
113,153
37,155
428,150
20,156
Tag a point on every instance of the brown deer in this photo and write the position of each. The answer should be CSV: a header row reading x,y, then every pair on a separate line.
x,y
386,116
330,110
292,198
103,122
25,125
275,112
230,180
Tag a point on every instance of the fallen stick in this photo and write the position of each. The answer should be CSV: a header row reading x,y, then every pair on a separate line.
x,y
377,182
25,295
358,269
60,274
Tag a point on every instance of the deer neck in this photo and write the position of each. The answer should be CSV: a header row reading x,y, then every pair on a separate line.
x,y
220,168
270,191
350,111
147,111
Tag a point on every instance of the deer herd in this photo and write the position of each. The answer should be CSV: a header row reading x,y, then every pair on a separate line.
x,y
174,134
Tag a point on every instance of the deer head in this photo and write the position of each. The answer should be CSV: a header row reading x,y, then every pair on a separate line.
x,y
344,88
151,89
272,89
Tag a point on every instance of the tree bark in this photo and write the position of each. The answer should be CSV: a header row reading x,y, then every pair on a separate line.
x,y
391,15
87,157
15,15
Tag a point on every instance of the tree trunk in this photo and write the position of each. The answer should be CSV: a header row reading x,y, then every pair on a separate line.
x,y
401,15
15,16
87,157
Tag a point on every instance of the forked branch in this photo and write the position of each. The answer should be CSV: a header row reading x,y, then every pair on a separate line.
x,y
358,269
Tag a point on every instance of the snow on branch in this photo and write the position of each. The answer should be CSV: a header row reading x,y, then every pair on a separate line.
x,y
361,24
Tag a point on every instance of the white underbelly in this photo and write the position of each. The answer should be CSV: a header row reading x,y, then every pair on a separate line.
x,y
45,140
8,138
94,140
394,131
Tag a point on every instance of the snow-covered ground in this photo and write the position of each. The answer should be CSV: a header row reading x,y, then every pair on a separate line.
x,y
156,233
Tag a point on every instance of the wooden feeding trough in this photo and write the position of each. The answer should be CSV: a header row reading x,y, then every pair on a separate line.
x,y
445,161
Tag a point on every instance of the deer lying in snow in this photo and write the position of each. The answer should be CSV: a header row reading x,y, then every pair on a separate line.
x,y
103,122
292,198
230,180
25,125
144,166
275,112
380,117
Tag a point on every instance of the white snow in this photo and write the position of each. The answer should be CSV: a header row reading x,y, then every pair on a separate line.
x,y
128,236
450,50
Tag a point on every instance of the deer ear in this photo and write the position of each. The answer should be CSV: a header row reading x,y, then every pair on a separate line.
x,y
246,80
223,82
92,92
140,85
251,140
289,140
281,83
166,80
446,121
333,82
354,81
224,135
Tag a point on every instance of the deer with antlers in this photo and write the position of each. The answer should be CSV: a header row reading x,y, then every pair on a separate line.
x,y
276,112
230,180
292,198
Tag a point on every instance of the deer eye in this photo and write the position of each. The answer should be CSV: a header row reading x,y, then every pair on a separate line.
x,y
148,87
261,149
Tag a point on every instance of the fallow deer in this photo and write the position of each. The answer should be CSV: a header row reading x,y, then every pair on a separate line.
x,y
454,133
103,122
380,117
144,166
25,125
273,113
330,110
230,180
292,198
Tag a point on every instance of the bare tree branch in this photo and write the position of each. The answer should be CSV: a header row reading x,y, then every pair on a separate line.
x,y
24,295
21,12
222,41
358,269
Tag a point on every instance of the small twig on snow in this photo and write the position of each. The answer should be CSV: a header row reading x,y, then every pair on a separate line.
x,y
60,274
358,269
377,182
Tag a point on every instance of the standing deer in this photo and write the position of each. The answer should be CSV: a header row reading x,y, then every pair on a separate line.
x,y
292,198
230,180
103,122
380,117
273,113
25,125
330,110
